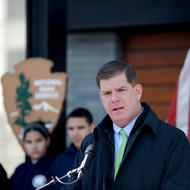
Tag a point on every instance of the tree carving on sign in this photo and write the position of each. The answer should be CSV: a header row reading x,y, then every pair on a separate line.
x,y
23,94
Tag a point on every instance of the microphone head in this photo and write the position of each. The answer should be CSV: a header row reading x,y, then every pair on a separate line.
x,y
90,150
89,154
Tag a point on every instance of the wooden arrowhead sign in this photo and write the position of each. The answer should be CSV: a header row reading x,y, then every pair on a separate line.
x,y
33,93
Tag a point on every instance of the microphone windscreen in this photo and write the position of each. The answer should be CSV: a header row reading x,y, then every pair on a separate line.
x,y
90,149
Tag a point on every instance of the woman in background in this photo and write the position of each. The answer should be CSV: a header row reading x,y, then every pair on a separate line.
x,y
33,173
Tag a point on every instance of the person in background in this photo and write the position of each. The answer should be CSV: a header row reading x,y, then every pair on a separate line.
x,y
79,124
33,173
4,181
135,150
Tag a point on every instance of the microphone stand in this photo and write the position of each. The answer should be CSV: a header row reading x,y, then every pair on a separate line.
x,y
56,179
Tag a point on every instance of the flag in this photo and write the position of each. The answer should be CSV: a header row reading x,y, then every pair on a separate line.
x,y
179,113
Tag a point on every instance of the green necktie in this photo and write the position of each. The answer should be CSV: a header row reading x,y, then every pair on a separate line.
x,y
120,151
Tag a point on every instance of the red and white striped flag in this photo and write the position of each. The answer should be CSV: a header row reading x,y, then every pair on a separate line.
x,y
179,113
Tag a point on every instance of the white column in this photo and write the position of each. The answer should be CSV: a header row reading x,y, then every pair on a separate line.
x,y
12,38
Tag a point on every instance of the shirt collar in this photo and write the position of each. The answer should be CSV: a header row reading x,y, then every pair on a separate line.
x,y
128,127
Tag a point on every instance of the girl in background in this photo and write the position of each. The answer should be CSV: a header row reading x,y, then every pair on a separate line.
x,y
33,173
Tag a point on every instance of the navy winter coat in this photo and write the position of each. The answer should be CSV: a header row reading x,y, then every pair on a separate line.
x,y
29,176
157,157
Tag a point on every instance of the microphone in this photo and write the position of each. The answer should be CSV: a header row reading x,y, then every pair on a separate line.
x,y
88,155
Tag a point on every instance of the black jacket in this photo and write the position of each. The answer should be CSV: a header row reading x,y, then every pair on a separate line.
x,y
4,181
157,157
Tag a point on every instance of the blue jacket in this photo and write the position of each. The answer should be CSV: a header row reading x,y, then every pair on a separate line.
x,y
29,176
62,164
157,157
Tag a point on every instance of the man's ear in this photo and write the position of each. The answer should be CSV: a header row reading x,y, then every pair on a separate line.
x,y
92,126
138,91
100,95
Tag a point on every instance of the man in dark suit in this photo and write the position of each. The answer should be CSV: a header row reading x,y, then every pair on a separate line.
x,y
135,150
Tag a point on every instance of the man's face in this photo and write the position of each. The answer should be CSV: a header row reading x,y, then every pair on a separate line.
x,y
120,99
78,128
35,145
